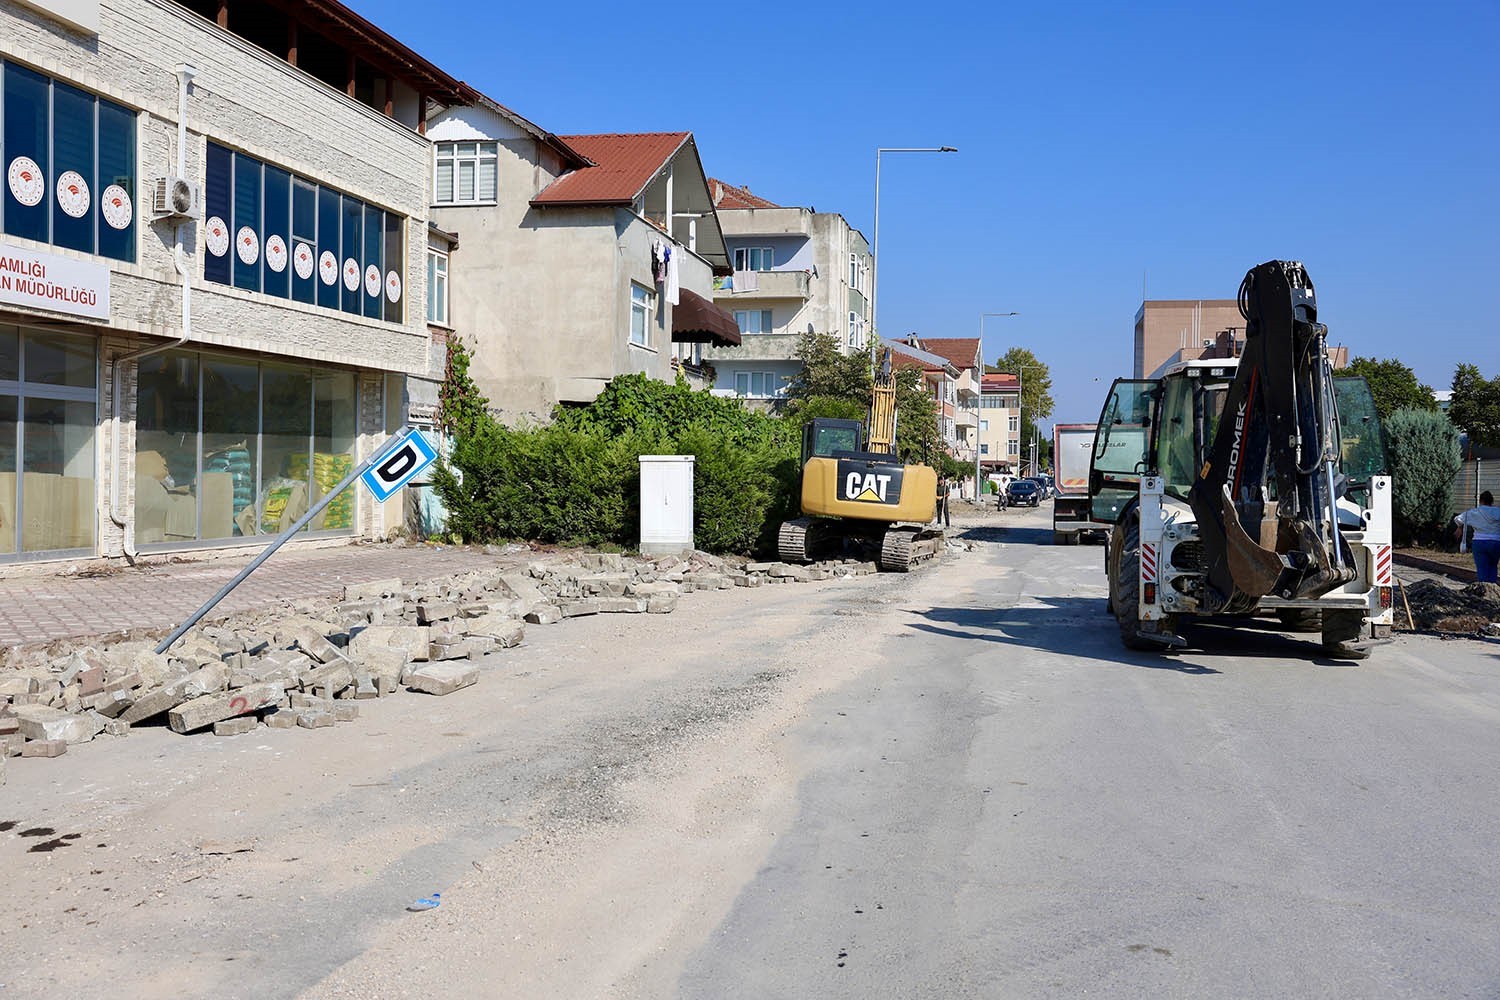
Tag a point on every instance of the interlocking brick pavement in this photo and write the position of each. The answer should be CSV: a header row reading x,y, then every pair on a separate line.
x,y
162,595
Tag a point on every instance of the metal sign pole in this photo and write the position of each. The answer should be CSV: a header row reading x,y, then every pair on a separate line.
x,y
391,445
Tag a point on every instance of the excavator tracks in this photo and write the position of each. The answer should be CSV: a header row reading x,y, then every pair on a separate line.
x,y
905,547
792,540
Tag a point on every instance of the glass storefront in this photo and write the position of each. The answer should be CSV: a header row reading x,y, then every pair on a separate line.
x,y
48,414
227,448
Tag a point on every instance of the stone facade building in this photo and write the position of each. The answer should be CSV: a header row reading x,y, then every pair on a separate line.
x,y
214,237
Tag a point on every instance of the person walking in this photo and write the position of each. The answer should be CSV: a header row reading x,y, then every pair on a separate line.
x,y
1484,520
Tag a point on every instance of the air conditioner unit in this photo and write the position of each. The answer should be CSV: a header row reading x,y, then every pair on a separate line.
x,y
176,197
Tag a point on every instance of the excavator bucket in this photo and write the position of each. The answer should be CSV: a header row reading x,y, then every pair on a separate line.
x,y
1253,569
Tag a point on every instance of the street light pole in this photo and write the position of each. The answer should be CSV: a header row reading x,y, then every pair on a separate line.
x,y
875,245
978,400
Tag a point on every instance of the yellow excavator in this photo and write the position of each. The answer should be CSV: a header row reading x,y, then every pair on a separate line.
x,y
857,496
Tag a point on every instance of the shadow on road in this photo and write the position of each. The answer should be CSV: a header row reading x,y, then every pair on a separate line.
x,y
1077,626
1004,533
1080,626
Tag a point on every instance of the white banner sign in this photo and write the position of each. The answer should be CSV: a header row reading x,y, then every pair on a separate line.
x,y
47,281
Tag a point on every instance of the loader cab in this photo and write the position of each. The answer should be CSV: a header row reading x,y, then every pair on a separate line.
x,y
1121,447
825,437
1361,437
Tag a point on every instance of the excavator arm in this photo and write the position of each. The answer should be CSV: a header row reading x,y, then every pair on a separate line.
x,y
1266,496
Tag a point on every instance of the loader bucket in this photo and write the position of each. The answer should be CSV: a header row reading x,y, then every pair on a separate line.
x,y
1253,569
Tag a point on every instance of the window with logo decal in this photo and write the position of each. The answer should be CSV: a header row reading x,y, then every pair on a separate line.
x,y
70,166
268,230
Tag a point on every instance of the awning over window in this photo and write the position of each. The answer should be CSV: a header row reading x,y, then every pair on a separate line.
x,y
696,319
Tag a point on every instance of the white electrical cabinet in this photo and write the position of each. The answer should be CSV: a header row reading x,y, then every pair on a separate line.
x,y
666,504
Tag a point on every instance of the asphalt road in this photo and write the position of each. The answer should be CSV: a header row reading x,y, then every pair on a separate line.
x,y
953,783
1012,805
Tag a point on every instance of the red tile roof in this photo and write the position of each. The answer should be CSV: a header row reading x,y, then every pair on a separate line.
x,y
998,382
624,165
726,195
960,350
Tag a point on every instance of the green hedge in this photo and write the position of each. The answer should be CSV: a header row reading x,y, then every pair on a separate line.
x,y
1424,457
577,480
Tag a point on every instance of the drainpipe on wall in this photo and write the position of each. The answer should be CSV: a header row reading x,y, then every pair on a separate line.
x,y
185,74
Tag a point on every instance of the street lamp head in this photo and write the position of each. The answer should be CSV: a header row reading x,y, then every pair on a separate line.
x,y
947,149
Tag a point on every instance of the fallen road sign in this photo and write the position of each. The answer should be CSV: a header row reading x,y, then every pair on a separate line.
x,y
410,456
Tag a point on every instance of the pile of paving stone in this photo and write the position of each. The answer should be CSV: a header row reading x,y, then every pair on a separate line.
x,y
309,665
1470,610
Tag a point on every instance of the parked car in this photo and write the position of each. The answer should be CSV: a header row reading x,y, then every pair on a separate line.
x,y
1024,493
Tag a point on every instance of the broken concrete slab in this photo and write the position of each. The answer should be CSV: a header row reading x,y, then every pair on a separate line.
x,y
577,609
44,748
661,604
328,681
435,611
316,645
109,704
621,605
311,701
237,726
345,711
208,709
372,591
544,614
441,678
412,639
506,631
315,718
10,686
524,588
41,723
281,718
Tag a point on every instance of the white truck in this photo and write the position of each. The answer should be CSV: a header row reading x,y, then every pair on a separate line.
x,y
1072,454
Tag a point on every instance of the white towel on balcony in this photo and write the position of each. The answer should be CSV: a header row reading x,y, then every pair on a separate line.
x,y
746,281
671,290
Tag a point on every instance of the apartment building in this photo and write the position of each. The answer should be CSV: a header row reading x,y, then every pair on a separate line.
x,y
963,410
1000,422
584,256
213,241
794,272
940,376
1171,330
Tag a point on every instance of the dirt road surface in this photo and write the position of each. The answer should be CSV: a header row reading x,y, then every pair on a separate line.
x,y
948,784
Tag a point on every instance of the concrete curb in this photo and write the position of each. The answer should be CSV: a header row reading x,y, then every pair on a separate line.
x,y
1458,573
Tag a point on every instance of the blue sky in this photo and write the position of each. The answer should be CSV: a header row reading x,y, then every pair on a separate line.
x,y
1100,145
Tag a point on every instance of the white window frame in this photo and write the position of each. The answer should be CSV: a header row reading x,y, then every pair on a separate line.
x,y
640,305
770,385
856,330
437,277
765,321
485,151
744,257
1015,423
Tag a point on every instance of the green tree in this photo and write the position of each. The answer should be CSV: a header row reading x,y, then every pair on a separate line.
x,y
1475,408
834,384
1393,384
1036,398
1423,448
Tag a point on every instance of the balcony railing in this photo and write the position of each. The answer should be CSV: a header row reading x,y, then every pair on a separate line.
x,y
751,285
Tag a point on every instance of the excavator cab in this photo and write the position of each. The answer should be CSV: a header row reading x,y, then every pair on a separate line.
x,y
825,437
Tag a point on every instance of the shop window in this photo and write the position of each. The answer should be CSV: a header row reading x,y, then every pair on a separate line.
x,y
227,477
69,161
47,421
242,450
270,231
